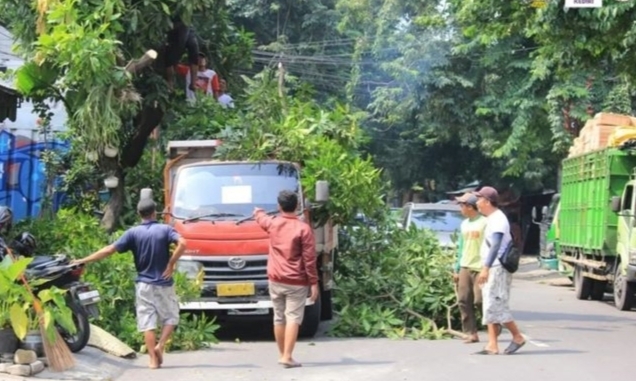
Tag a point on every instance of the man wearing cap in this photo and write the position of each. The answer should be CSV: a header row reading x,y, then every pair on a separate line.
x,y
206,80
156,298
494,278
468,265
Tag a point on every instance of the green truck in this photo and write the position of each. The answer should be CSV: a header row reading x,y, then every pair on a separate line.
x,y
596,223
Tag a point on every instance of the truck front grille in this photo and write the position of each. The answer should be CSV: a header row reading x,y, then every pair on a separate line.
x,y
235,268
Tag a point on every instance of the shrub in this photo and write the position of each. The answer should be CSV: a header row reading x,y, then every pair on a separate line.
x,y
394,283
77,235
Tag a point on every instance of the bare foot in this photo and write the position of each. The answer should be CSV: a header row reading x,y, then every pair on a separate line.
x,y
159,353
471,339
153,363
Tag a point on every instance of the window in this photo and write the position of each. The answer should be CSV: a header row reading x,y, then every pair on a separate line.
x,y
234,188
437,220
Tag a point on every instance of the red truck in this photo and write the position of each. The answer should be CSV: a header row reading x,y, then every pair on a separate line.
x,y
210,203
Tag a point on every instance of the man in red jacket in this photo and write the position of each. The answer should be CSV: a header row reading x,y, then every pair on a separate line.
x,y
291,269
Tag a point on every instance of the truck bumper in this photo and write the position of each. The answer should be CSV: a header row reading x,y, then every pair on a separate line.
x,y
631,273
207,305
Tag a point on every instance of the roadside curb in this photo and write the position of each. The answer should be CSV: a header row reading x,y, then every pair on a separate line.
x,y
8,377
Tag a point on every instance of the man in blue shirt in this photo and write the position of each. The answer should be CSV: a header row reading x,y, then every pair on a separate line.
x,y
155,292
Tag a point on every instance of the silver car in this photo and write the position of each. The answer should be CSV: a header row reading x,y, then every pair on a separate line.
x,y
443,219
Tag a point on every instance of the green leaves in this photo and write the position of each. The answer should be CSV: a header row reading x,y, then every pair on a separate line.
x,y
392,283
19,321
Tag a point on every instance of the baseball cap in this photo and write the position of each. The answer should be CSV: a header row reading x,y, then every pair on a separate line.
x,y
489,193
146,206
467,198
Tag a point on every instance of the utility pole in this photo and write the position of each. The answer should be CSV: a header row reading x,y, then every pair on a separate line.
x,y
281,82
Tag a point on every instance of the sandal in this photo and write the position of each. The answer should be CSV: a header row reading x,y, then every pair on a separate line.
x,y
513,347
485,352
288,365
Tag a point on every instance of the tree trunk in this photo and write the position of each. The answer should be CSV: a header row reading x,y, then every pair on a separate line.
x,y
115,203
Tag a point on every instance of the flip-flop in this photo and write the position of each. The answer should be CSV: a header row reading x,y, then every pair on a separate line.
x,y
485,352
513,347
288,365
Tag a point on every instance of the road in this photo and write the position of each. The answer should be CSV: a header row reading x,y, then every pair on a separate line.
x,y
567,339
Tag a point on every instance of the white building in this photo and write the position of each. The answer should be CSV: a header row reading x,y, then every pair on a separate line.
x,y
26,122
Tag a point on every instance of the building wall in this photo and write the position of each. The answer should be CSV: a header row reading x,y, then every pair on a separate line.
x,y
22,171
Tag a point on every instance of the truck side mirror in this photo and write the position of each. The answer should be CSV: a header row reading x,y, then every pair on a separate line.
x,y
322,191
145,193
616,204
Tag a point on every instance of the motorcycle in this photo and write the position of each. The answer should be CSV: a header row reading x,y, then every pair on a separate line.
x,y
81,297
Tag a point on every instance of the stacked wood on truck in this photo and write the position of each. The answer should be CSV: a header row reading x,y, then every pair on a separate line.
x,y
605,129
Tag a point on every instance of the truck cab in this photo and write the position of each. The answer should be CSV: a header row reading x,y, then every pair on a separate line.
x,y
210,203
624,206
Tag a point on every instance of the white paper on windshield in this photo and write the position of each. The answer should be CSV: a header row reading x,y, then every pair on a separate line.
x,y
236,194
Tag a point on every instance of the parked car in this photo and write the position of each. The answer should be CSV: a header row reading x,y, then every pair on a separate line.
x,y
443,219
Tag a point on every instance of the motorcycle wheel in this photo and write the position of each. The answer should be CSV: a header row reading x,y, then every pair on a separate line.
x,y
77,341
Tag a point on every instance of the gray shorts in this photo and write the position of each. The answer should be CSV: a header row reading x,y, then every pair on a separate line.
x,y
496,296
289,302
155,303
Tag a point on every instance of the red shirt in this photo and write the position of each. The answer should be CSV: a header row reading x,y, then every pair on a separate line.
x,y
292,250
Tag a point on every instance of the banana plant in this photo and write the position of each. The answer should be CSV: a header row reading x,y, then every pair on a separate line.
x,y
17,304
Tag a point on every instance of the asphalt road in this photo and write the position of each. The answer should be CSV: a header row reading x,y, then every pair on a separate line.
x,y
567,339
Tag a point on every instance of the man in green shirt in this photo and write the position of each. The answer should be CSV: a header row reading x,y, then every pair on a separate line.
x,y
468,265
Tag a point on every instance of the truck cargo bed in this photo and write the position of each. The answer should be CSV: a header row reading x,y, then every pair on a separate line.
x,y
589,181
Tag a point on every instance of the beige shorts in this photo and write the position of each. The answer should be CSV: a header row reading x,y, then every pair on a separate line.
x,y
156,304
289,302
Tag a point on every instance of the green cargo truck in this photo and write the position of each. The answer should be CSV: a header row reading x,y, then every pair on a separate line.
x,y
597,218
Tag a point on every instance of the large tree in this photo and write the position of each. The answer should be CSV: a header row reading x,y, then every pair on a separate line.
x,y
91,55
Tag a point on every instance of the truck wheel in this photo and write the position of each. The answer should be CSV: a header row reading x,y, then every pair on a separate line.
x,y
623,291
326,308
598,289
582,285
311,320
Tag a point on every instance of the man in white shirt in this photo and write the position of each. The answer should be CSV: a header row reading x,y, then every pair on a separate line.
x,y
207,81
494,278
225,99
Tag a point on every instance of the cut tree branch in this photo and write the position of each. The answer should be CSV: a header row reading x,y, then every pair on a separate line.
x,y
136,65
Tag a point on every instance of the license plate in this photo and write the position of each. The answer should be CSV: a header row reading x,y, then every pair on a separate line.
x,y
89,296
235,289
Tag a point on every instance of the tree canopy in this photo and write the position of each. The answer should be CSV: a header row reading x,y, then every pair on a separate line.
x,y
445,92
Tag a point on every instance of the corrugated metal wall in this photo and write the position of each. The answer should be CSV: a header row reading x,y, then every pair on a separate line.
x,y
22,172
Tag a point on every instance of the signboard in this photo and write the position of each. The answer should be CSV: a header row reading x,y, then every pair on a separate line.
x,y
583,3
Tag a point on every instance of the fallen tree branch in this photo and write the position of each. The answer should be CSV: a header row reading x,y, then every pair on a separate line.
x,y
449,319
415,314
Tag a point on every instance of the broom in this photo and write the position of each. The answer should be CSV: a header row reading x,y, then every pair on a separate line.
x,y
58,355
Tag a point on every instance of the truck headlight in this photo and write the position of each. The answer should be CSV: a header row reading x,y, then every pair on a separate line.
x,y
190,268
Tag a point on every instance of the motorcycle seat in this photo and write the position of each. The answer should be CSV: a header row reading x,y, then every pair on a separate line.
x,y
41,262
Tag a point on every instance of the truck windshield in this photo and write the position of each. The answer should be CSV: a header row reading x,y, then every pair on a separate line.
x,y
231,188
437,220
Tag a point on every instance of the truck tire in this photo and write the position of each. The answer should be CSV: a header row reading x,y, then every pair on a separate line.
x,y
582,285
326,308
311,320
623,291
598,289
